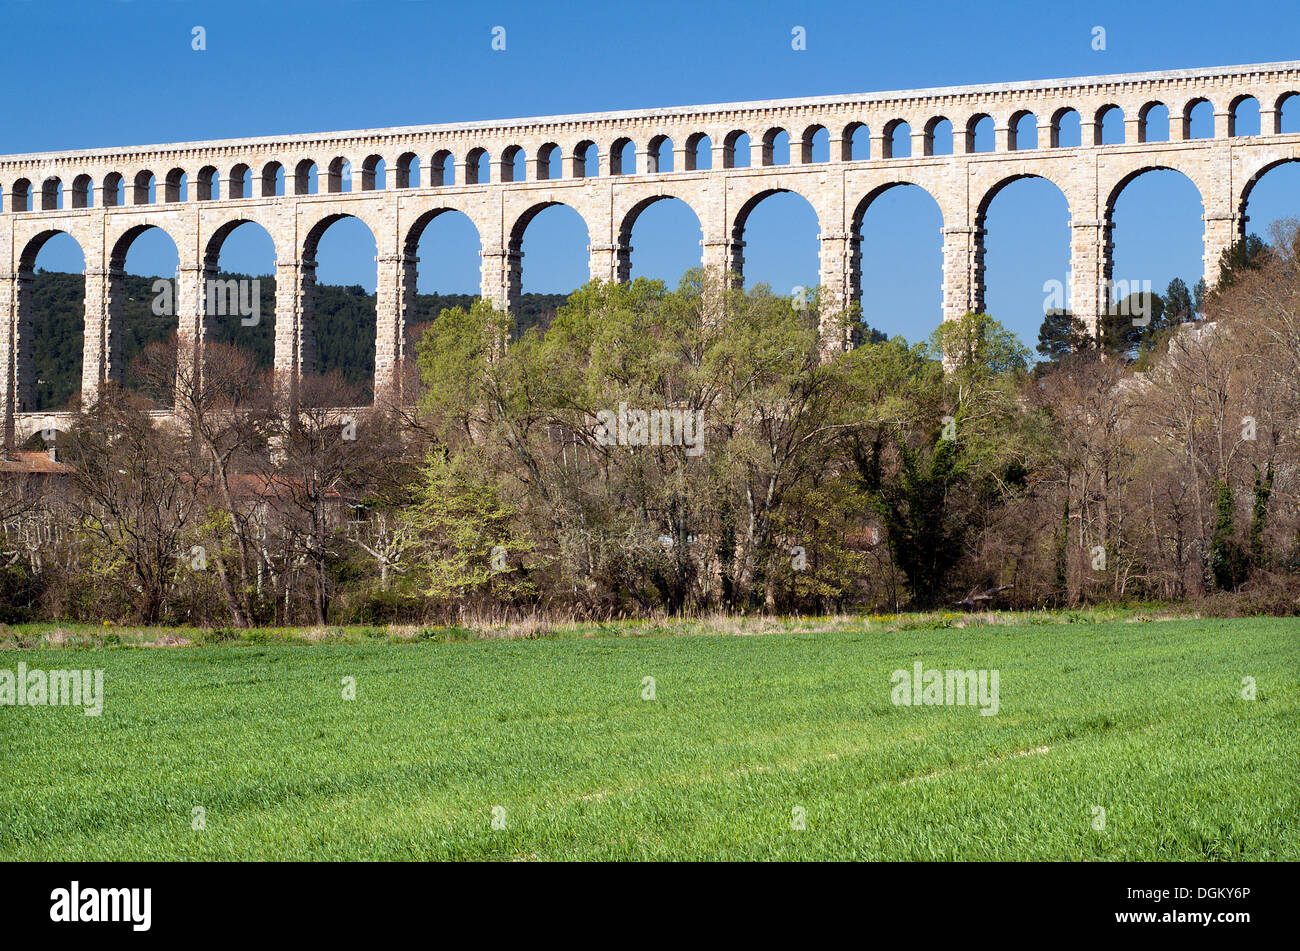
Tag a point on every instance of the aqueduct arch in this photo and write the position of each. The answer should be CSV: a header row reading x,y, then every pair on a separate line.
x,y
627,222
599,164
24,325
857,226
1251,177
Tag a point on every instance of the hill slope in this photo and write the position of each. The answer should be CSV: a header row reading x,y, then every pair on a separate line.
x,y
345,328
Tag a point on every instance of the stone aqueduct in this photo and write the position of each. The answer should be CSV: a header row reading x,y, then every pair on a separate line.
x,y
105,198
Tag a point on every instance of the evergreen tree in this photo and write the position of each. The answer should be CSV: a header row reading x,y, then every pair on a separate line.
x,y
1061,334
1248,254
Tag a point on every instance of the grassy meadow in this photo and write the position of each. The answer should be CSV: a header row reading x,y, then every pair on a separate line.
x,y
461,747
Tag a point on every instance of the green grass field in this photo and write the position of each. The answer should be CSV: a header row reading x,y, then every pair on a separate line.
x,y
1145,720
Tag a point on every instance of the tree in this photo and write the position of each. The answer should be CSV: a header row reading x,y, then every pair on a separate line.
x,y
935,477
622,518
462,543
225,409
1180,307
1228,560
977,347
1061,335
1128,325
324,464
130,491
925,532
1263,491
1246,254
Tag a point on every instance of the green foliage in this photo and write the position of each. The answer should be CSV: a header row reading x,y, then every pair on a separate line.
x,y
978,347
1061,335
58,306
949,450
623,525
1229,563
925,533
1129,328
954,455
1127,325
454,355
621,522
1263,491
1180,306
1246,254
20,588
1059,560
465,544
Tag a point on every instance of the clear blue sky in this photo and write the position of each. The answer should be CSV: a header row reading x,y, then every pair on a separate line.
x,y
112,72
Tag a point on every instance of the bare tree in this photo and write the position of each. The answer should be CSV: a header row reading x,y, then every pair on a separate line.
x,y
130,490
223,407
328,457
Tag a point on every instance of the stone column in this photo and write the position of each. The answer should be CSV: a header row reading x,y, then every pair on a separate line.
x,y
1223,224
1221,232
92,347
724,256
724,156
578,168
1091,258
1223,125
502,278
963,271
1180,127
723,260
963,139
114,326
103,348
609,256
307,321
394,301
7,396
610,262
21,343
840,276
295,322
193,323
879,145
1270,121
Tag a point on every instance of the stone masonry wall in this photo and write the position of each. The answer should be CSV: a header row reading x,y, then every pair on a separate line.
x,y
609,167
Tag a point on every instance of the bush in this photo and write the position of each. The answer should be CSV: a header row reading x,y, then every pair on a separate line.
x,y
1268,593
375,605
